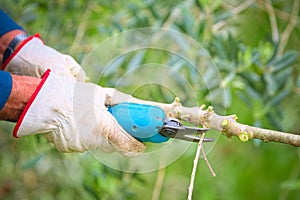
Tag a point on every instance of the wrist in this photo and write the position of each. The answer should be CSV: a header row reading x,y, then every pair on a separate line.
x,y
22,90
6,40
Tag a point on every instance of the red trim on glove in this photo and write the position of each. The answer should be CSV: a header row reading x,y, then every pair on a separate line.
x,y
19,48
37,90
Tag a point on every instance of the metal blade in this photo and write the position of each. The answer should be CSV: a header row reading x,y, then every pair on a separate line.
x,y
185,133
195,138
192,134
174,129
188,130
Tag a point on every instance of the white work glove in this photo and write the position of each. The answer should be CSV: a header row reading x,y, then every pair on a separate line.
x,y
33,58
72,115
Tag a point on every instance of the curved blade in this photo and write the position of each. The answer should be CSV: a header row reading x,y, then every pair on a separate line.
x,y
185,133
195,138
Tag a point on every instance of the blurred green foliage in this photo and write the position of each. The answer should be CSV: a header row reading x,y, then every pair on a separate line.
x,y
261,83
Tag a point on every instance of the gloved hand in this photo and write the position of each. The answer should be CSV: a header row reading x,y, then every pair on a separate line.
x,y
33,58
73,116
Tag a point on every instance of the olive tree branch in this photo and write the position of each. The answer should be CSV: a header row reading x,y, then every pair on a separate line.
x,y
227,125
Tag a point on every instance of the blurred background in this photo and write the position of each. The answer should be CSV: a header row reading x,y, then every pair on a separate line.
x,y
255,45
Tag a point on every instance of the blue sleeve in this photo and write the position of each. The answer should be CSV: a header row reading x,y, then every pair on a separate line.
x,y
5,87
7,24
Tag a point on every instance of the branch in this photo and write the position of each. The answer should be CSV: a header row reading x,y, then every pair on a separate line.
x,y
207,163
273,21
176,13
82,27
234,11
289,28
159,183
227,125
193,175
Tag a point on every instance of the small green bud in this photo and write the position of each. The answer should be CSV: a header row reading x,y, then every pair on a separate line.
x,y
235,117
224,122
244,137
203,106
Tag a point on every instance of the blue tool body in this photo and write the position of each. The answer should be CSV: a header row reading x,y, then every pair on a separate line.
x,y
141,121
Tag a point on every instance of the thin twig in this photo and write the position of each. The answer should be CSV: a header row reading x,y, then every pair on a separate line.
x,y
235,11
81,28
175,13
171,19
289,28
193,175
273,21
158,184
207,162
286,16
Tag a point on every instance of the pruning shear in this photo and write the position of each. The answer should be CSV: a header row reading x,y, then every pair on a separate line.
x,y
149,124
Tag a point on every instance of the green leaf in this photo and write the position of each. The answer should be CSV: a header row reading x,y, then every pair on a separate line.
x,y
219,97
219,48
188,21
267,51
227,98
245,56
224,65
151,5
238,84
291,185
279,97
251,78
286,60
115,65
273,119
252,92
228,79
271,85
222,16
256,58
31,163
283,77
204,3
215,5
91,191
201,28
245,98
298,81
136,60
232,48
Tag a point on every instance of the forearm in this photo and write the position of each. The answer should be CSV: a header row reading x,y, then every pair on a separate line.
x,y
22,90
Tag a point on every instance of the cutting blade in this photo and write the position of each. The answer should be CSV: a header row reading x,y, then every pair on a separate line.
x,y
174,129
